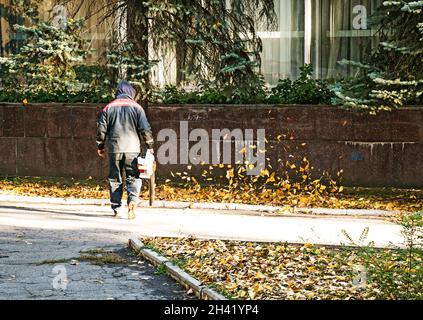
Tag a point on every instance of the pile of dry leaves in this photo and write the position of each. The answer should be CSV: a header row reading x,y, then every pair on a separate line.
x,y
246,270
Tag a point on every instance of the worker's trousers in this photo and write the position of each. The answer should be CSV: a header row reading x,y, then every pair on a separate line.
x,y
119,164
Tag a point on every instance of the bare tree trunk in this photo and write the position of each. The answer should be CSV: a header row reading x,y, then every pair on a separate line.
x,y
137,35
181,52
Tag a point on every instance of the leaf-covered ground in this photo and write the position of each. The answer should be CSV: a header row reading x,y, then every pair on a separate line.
x,y
247,270
381,198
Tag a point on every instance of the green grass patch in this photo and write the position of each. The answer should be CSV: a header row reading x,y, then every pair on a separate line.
x,y
101,257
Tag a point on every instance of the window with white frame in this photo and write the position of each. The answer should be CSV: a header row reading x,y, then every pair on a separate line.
x,y
320,32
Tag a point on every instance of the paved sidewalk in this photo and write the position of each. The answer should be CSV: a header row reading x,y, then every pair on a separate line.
x,y
219,224
6,197
34,240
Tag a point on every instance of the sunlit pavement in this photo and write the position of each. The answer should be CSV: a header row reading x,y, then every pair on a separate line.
x,y
221,224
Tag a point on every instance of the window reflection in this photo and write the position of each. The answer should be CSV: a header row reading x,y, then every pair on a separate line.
x,y
318,31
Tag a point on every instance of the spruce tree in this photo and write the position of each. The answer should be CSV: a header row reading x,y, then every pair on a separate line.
x,y
393,75
44,66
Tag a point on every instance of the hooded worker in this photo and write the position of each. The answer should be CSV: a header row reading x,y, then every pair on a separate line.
x,y
122,126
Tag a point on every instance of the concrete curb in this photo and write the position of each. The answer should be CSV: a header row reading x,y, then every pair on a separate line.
x,y
207,206
201,291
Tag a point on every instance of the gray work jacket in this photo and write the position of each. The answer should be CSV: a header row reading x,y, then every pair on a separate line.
x,y
121,127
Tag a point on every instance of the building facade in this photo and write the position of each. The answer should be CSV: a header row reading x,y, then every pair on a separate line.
x,y
320,32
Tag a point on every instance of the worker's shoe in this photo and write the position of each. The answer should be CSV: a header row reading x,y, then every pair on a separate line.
x,y
131,210
117,211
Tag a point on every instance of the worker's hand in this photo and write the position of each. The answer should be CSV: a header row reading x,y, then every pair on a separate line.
x,y
151,151
101,153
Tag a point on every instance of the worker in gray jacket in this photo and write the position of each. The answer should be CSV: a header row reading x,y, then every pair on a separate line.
x,y
121,127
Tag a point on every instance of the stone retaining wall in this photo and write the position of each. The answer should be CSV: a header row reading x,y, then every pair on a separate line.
x,y
381,150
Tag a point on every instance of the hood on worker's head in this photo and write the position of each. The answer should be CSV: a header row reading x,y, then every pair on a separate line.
x,y
125,90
